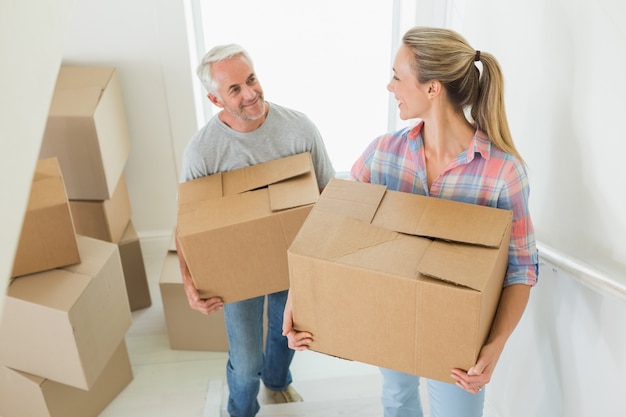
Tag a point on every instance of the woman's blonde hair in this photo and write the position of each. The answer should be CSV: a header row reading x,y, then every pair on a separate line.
x,y
444,55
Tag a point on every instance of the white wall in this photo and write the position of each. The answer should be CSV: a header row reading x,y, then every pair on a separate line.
x,y
564,63
147,42
567,356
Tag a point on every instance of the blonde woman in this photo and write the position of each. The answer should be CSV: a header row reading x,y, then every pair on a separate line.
x,y
460,149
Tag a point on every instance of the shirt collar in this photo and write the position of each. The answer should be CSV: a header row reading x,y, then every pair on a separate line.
x,y
480,145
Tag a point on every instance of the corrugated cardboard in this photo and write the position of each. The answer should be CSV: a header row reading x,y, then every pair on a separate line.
x,y
87,131
234,228
398,280
134,269
105,220
65,324
188,329
26,395
48,238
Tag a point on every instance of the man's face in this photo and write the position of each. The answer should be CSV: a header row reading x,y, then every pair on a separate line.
x,y
239,92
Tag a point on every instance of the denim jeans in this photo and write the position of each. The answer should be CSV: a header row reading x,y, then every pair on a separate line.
x,y
401,397
248,363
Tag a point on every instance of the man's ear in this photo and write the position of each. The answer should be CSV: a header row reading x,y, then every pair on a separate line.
x,y
213,99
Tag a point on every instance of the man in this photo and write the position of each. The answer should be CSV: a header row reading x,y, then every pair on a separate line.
x,y
247,131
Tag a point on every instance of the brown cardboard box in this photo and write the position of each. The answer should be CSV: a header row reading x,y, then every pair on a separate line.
x,y
398,280
188,329
87,131
65,324
105,220
48,238
23,394
134,269
234,228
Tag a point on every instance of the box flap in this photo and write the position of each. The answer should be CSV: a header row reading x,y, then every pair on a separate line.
x,y
47,188
352,199
446,237
298,191
352,242
71,77
264,174
200,189
291,183
461,264
75,102
78,90
216,213
442,219
46,168
56,288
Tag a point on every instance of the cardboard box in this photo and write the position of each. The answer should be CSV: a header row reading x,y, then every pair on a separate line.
x,y
234,228
188,329
105,220
87,131
398,280
23,394
66,323
134,269
48,238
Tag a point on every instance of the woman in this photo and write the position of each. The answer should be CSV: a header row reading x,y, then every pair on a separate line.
x,y
460,149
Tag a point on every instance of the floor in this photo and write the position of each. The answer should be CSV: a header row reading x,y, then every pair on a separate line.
x,y
175,383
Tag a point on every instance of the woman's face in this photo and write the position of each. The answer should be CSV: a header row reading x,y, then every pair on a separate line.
x,y
412,96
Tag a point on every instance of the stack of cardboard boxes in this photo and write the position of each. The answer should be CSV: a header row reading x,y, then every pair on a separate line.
x,y
78,270
88,134
62,348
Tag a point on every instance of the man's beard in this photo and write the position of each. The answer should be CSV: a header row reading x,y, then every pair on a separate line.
x,y
241,114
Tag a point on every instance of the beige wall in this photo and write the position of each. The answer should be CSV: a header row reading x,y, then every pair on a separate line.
x,y
32,33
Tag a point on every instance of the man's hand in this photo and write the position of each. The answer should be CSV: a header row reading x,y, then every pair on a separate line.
x,y
204,306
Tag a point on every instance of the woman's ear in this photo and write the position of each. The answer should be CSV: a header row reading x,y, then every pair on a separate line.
x,y
434,88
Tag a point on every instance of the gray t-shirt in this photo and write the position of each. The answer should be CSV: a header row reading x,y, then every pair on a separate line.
x,y
285,132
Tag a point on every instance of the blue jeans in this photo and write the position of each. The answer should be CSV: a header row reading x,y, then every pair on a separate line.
x,y
248,363
401,397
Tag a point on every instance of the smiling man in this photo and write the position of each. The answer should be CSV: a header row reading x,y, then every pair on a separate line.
x,y
247,131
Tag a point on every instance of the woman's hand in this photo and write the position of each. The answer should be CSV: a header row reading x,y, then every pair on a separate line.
x,y
512,304
478,375
296,340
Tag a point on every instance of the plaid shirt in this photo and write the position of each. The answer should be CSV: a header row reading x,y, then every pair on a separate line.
x,y
483,175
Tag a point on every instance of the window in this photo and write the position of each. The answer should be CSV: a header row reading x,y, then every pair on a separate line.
x,y
329,59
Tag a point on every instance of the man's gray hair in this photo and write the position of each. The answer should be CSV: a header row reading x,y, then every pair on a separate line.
x,y
216,54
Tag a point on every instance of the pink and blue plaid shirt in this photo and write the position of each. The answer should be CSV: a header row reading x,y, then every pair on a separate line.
x,y
483,175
